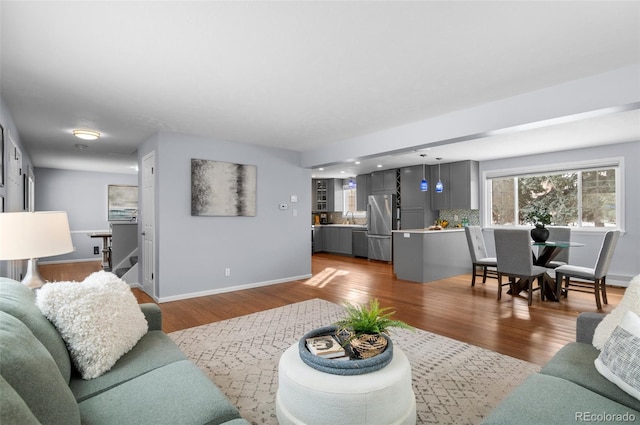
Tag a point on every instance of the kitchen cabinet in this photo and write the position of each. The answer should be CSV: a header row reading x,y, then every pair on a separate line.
x,y
415,205
318,239
460,180
428,255
384,182
326,195
359,243
363,190
337,239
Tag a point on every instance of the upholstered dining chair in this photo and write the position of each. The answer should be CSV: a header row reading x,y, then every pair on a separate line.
x,y
591,280
482,264
559,234
515,260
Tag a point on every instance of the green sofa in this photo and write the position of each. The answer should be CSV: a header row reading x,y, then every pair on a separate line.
x,y
569,389
154,383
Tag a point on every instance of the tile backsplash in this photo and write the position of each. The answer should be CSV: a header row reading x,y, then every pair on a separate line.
x,y
473,216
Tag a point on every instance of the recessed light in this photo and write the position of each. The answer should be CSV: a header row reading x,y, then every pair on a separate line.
x,y
357,162
321,169
379,165
343,172
86,134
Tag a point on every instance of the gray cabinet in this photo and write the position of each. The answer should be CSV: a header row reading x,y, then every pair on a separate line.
x,y
415,205
410,194
464,185
318,239
326,195
460,180
383,182
359,243
363,190
337,240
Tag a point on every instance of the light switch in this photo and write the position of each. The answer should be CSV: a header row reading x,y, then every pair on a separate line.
x,y
294,199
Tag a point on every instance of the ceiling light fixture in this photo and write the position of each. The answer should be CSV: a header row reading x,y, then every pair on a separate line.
x,y
86,134
439,185
424,185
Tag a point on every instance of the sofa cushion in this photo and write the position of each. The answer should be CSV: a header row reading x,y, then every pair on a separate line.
x,y
630,302
178,393
575,362
19,301
29,369
619,360
154,350
99,319
13,409
545,399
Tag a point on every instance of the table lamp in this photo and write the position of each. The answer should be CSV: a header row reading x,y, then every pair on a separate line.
x,y
33,235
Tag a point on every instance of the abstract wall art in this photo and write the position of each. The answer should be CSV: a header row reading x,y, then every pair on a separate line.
x,y
223,189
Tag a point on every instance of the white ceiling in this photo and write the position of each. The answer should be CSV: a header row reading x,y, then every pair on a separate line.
x,y
298,75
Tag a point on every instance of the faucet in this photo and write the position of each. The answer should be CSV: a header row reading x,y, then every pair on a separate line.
x,y
353,219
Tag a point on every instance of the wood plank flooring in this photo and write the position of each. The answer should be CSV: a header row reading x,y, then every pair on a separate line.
x,y
449,307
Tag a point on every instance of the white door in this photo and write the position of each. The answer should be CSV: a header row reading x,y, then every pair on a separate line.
x,y
148,225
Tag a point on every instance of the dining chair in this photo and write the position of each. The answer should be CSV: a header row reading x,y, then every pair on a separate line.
x,y
515,260
591,279
482,264
559,234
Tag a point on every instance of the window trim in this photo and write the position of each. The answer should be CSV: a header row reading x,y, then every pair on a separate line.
x,y
613,162
345,212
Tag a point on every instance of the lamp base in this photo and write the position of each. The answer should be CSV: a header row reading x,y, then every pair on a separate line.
x,y
32,279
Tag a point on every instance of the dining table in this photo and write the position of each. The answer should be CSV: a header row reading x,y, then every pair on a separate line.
x,y
550,249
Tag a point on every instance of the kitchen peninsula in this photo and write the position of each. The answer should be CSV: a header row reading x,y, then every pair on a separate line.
x,y
422,255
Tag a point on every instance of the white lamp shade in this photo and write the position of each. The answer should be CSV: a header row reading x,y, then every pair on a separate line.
x,y
25,235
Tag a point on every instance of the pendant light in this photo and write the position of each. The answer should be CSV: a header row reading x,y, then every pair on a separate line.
x,y
439,185
424,185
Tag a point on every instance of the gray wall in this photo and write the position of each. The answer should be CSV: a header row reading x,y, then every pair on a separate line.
x,y
83,195
625,262
193,252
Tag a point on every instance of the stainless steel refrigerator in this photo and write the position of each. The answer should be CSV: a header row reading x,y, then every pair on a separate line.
x,y
382,218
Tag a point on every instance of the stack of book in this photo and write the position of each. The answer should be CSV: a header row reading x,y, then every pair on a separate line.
x,y
326,346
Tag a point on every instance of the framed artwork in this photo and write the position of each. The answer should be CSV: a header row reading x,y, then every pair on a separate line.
x,y
122,203
1,156
223,189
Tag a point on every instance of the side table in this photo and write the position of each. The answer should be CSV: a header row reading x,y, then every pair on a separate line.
x,y
308,396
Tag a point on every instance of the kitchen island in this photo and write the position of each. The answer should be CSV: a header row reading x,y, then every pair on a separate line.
x,y
422,255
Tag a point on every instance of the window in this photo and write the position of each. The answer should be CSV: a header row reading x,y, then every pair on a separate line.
x,y
586,195
350,203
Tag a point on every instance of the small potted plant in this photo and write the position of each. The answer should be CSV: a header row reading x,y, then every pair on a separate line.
x,y
366,328
539,217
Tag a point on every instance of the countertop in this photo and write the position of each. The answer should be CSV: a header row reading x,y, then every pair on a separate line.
x,y
354,226
455,229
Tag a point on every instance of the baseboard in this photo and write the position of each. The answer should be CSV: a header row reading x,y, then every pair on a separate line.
x,y
231,289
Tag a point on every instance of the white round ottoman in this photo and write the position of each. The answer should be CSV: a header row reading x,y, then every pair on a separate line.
x,y
308,396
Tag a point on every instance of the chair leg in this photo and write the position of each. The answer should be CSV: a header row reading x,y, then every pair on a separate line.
x,y
603,289
566,286
558,285
499,286
473,275
596,290
484,274
530,291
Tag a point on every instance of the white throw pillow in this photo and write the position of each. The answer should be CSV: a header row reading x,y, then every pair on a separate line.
x,y
99,319
629,302
619,360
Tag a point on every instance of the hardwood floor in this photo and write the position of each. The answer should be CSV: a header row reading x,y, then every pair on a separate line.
x,y
449,307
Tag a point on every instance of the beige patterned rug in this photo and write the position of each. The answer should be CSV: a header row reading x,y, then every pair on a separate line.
x,y
454,382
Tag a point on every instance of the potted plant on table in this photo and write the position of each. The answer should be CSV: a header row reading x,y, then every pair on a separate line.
x,y
539,217
366,328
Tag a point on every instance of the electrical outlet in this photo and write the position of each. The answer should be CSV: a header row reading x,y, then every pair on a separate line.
x,y
96,250
227,272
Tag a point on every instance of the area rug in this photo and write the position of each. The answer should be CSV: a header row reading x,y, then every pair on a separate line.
x,y
454,382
